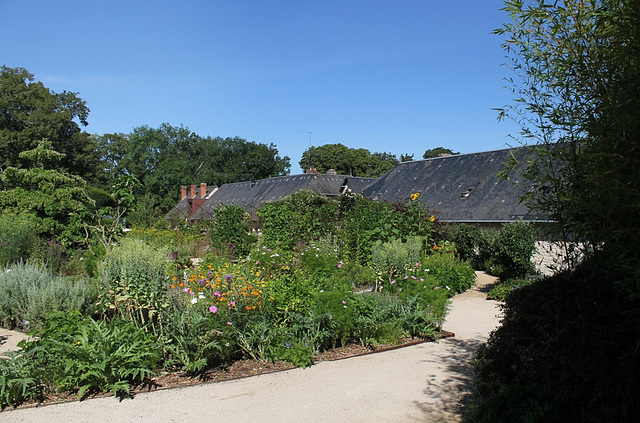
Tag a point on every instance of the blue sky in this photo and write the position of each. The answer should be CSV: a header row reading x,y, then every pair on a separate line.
x,y
393,76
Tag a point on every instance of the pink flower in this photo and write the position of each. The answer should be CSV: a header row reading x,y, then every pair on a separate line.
x,y
185,290
232,304
393,281
230,324
344,302
406,277
421,279
213,309
340,265
417,264
217,293
437,287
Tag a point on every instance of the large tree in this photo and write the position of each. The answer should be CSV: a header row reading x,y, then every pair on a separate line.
x,y
438,152
347,161
31,112
165,158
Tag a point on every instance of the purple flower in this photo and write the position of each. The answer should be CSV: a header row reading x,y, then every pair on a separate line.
x,y
228,277
202,282
213,309
413,277
209,274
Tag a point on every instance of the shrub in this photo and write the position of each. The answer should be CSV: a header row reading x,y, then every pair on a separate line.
x,y
466,238
514,247
76,353
452,274
502,288
17,238
231,231
391,259
29,293
534,367
16,383
133,282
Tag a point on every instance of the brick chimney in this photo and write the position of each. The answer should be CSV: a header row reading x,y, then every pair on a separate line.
x,y
193,191
183,192
203,190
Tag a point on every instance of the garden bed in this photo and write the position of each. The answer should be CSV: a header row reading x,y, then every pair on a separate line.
x,y
238,370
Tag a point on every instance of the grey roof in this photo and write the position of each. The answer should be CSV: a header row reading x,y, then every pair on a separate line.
x,y
459,188
252,194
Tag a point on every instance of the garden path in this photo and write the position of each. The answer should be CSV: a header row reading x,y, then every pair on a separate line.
x,y
428,382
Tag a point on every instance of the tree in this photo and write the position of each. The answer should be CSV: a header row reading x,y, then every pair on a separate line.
x,y
347,161
406,157
165,158
438,152
54,201
30,112
577,87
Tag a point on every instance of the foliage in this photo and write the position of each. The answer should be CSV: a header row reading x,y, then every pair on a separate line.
x,y
578,99
191,339
466,239
30,293
230,232
31,113
438,152
454,275
109,219
303,216
391,259
347,161
363,222
54,200
500,291
90,356
133,282
16,383
17,238
534,367
513,249
167,157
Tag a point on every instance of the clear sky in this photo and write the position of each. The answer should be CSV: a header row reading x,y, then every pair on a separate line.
x,y
394,76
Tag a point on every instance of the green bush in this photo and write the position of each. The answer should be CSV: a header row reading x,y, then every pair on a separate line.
x,y
87,356
500,291
17,238
133,282
16,383
466,239
514,247
29,293
452,274
392,259
566,351
230,232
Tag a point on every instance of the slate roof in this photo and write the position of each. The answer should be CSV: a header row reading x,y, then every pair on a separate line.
x,y
459,188
252,194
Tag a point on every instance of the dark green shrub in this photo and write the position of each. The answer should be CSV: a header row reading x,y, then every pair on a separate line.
x,y
193,341
337,302
567,351
29,293
17,238
16,383
453,275
79,354
230,232
514,248
502,288
466,239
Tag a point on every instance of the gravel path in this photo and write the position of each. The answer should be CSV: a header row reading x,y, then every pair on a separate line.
x,y
426,383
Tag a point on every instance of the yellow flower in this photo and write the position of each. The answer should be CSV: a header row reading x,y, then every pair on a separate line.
x,y
414,196
432,219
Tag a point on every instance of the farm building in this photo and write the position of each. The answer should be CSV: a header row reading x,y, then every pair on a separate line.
x,y
461,188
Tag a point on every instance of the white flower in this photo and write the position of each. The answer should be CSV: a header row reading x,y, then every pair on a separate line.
x,y
194,300
201,296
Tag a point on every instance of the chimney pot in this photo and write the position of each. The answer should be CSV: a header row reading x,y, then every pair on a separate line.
x,y
183,192
193,191
203,190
